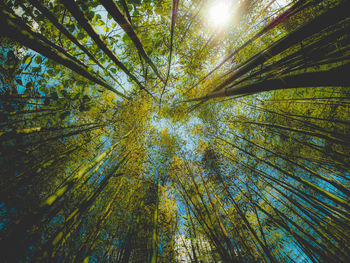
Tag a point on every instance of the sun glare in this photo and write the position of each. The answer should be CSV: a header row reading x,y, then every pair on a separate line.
x,y
219,14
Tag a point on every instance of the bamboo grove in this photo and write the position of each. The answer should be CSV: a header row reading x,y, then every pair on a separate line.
x,y
144,131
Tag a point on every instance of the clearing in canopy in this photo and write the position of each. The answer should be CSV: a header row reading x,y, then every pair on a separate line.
x,y
169,131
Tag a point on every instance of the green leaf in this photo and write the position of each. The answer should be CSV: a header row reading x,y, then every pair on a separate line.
x,y
38,59
28,60
90,15
159,10
126,39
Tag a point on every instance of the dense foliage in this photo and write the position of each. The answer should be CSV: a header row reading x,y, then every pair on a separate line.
x,y
147,131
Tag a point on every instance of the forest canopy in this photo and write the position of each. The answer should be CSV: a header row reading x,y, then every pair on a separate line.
x,y
174,131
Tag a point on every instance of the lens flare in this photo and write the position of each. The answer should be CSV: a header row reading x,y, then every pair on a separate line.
x,y
219,14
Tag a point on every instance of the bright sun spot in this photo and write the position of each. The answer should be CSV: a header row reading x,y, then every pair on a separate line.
x,y
219,14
